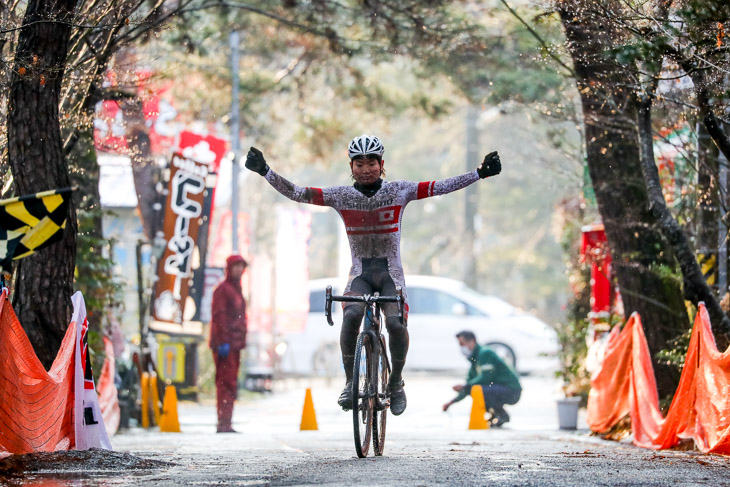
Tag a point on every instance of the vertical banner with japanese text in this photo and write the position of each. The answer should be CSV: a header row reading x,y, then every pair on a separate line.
x,y
211,150
183,215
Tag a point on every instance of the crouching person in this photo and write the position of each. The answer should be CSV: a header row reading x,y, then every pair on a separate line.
x,y
499,382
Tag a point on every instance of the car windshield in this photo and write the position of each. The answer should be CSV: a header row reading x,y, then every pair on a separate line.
x,y
432,301
490,304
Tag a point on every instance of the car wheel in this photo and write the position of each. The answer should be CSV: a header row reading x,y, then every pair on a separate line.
x,y
505,353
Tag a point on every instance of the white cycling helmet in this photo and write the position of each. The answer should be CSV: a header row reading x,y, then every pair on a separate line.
x,y
364,145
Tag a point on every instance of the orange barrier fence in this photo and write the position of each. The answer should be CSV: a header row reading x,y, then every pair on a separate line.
x,y
625,384
47,410
36,407
108,398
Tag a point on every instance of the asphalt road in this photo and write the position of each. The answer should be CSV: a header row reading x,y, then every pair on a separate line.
x,y
424,446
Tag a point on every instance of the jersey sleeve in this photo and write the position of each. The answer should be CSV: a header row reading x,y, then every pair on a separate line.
x,y
426,189
313,196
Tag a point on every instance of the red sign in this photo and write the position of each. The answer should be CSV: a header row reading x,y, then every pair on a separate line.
x,y
594,251
159,115
208,148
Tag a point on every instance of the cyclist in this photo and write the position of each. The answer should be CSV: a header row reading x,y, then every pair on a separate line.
x,y
372,210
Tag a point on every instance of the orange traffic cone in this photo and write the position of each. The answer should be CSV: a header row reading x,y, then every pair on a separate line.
x,y
477,421
144,386
309,418
169,422
154,398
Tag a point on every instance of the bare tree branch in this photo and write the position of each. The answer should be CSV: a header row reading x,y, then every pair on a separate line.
x,y
545,46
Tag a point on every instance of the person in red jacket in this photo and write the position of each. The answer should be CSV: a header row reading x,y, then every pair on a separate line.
x,y
228,338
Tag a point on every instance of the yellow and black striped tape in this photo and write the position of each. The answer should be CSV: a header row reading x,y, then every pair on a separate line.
x,y
708,264
31,222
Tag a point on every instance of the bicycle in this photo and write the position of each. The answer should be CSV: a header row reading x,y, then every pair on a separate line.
x,y
370,395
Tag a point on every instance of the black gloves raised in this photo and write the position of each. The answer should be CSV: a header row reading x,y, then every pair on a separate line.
x,y
255,161
491,166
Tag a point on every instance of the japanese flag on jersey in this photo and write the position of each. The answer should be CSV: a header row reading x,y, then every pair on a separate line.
x,y
90,430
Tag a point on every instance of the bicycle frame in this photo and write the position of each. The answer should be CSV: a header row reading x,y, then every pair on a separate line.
x,y
371,318
375,395
372,326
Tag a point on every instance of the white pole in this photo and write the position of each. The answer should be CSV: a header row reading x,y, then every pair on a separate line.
x,y
469,272
235,141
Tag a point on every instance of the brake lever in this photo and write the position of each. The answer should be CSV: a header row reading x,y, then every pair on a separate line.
x,y
328,305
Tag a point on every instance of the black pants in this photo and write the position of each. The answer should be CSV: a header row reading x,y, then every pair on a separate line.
x,y
496,396
374,278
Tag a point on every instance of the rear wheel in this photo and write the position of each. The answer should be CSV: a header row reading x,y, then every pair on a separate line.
x,y
380,413
362,396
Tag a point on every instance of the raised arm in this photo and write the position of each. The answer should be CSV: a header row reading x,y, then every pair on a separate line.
x,y
255,162
491,166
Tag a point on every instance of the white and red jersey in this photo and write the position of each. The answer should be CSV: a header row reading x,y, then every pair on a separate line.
x,y
373,223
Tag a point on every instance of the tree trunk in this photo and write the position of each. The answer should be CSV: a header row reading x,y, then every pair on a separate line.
x,y
696,288
44,281
642,260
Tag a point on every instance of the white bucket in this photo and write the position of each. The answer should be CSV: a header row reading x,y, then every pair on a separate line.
x,y
568,412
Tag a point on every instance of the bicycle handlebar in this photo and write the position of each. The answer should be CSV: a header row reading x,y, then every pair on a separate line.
x,y
367,298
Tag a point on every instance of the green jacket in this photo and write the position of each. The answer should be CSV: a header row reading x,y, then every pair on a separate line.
x,y
487,369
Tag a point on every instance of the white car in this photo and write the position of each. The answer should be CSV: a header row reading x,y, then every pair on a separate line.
x,y
439,308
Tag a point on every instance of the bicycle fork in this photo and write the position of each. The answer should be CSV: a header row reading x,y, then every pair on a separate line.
x,y
372,327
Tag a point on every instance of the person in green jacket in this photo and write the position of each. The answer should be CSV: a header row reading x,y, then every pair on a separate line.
x,y
499,382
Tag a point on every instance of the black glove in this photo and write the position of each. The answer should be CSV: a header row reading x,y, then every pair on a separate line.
x,y
255,161
491,166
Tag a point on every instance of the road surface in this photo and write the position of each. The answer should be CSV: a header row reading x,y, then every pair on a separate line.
x,y
424,447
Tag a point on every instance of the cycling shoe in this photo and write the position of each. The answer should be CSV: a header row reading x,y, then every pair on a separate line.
x,y
397,398
345,400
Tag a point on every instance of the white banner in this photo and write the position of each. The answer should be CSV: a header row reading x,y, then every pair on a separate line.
x,y
90,430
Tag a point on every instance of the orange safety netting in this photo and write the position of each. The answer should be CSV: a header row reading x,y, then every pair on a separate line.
x,y
36,406
47,411
625,384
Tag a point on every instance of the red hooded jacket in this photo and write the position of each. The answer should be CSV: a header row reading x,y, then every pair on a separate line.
x,y
228,321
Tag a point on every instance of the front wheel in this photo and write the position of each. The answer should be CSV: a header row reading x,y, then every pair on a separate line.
x,y
362,395
381,373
